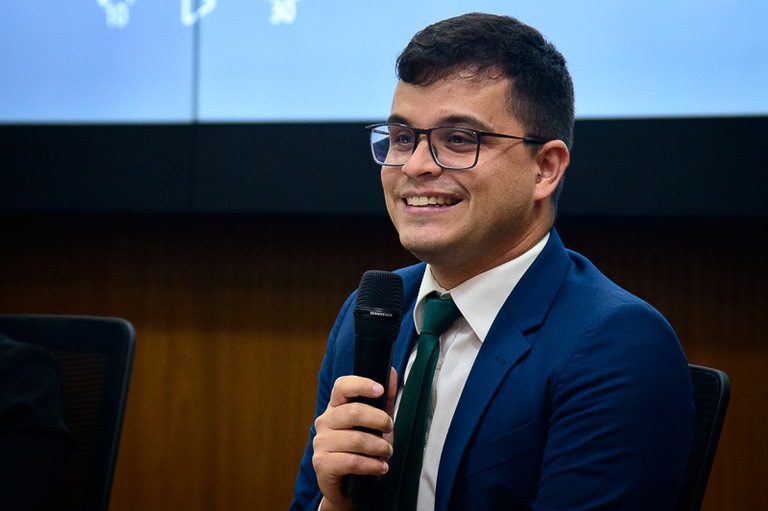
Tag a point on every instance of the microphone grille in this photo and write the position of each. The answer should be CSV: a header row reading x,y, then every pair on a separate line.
x,y
380,290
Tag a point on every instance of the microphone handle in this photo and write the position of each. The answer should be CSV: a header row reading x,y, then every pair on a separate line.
x,y
373,359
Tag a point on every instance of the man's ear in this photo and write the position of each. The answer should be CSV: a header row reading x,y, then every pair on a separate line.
x,y
552,159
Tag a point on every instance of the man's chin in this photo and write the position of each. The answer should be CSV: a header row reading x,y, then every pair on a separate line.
x,y
423,248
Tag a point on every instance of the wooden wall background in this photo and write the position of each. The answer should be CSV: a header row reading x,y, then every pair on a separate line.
x,y
232,315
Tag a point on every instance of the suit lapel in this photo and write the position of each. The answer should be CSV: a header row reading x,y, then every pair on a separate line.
x,y
403,346
500,351
507,341
407,337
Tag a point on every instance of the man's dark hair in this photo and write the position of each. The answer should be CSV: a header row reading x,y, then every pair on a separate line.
x,y
541,94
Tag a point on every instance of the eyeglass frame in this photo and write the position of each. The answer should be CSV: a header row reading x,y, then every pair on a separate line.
x,y
428,132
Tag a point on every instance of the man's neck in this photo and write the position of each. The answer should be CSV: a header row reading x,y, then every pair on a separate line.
x,y
450,276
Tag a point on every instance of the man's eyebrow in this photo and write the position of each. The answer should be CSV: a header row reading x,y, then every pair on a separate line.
x,y
464,121
397,119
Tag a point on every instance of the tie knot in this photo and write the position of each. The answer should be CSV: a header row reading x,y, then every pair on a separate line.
x,y
439,314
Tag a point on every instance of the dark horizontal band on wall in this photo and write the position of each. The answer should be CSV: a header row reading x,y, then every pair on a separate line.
x,y
639,167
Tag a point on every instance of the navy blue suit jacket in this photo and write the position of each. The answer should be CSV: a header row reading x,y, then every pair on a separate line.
x,y
579,399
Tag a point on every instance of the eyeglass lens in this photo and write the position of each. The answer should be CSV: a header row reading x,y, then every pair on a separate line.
x,y
451,147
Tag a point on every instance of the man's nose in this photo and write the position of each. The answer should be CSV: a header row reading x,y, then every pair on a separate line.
x,y
421,160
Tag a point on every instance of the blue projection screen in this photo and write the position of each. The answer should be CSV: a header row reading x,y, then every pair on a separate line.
x,y
183,61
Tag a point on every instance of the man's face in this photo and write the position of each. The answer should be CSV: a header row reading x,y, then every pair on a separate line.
x,y
486,215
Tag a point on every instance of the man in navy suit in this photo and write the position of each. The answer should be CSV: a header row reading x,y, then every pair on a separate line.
x,y
556,389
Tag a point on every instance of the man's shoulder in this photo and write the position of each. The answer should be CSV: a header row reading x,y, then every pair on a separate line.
x,y
594,302
592,282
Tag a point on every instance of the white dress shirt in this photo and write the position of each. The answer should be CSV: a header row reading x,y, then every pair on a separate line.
x,y
479,300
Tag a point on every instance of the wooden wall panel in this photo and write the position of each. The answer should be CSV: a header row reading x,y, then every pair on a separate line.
x,y
231,317
232,314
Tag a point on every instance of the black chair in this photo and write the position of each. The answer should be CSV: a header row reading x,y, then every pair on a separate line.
x,y
711,392
95,355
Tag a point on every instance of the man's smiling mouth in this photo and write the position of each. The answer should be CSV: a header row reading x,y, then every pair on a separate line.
x,y
430,201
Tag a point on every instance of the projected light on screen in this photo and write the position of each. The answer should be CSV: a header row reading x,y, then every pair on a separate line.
x,y
181,61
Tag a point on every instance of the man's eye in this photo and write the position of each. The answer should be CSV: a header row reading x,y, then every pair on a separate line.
x,y
460,139
402,139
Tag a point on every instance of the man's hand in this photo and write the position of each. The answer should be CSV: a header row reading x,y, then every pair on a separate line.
x,y
341,449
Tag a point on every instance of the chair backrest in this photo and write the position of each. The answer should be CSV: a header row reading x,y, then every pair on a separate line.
x,y
711,392
95,355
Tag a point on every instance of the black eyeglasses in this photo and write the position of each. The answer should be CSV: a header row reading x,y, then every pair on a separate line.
x,y
452,147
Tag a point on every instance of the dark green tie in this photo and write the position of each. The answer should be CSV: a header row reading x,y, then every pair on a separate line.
x,y
399,488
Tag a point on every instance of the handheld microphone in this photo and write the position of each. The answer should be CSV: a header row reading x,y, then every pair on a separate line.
x,y
377,312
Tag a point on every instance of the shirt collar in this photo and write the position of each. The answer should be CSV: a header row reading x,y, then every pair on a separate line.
x,y
480,298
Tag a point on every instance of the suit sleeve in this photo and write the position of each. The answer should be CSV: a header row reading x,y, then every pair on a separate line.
x,y
620,424
335,363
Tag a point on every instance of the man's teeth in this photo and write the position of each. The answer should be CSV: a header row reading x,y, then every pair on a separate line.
x,y
429,201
